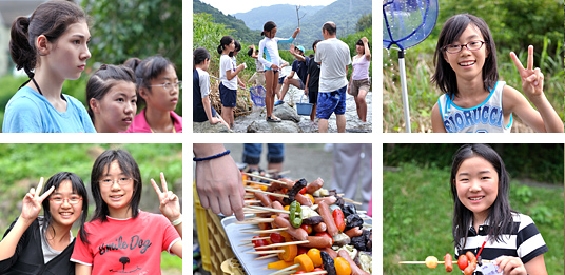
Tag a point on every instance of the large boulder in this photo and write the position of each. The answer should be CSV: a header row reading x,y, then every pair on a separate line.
x,y
286,112
206,127
262,126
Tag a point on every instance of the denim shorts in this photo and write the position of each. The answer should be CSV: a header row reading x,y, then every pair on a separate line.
x,y
333,102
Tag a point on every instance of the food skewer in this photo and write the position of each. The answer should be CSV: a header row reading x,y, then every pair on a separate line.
x,y
265,192
281,244
439,262
255,220
267,209
265,231
265,178
258,182
266,252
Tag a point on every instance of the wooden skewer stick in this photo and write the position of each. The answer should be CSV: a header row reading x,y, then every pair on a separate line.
x,y
267,209
286,243
256,220
422,262
268,193
258,182
439,262
265,178
284,271
265,231
265,257
266,252
258,238
352,201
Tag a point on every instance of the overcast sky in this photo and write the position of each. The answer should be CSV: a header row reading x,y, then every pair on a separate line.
x,y
243,6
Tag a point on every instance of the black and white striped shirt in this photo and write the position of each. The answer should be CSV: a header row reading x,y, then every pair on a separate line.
x,y
524,240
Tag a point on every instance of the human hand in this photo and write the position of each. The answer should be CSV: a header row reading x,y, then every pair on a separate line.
x,y
297,30
218,183
275,67
31,203
365,40
532,79
168,202
510,265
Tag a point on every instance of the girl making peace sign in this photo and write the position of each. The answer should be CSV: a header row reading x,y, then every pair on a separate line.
x,y
121,237
474,99
43,244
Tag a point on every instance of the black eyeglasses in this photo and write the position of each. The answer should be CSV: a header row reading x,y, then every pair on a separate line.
x,y
471,46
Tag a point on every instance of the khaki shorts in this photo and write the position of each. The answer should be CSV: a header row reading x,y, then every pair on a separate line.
x,y
356,85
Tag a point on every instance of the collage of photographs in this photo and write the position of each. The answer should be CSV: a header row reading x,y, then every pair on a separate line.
x,y
93,177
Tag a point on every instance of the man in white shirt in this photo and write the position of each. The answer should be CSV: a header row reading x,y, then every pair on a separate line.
x,y
333,56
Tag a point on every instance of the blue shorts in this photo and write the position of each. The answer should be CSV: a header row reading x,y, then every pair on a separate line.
x,y
334,102
228,97
281,79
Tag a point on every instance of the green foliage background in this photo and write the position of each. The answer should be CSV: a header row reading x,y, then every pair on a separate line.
x,y
21,166
417,212
537,162
514,26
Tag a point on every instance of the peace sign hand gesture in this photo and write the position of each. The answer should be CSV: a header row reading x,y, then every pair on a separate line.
x,y
168,202
532,79
31,203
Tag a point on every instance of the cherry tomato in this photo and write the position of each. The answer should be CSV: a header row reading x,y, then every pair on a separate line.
x,y
307,228
259,242
302,191
277,238
463,262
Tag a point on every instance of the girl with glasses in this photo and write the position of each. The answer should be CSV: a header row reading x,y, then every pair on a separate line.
x,y
158,87
120,237
112,99
50,46
43,244
474,99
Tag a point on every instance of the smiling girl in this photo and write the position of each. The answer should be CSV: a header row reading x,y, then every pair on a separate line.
x,y
482,216
43,244
112,98
50,46
121,237
474,99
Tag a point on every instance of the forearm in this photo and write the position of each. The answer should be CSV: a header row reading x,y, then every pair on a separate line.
x,y
551,120
207,149
10,242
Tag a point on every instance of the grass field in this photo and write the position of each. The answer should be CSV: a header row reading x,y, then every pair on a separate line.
x,y
417,211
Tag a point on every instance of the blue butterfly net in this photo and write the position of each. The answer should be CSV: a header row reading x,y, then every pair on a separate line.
x,y
408,22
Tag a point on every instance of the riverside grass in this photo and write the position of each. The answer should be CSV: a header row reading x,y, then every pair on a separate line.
x,y
417,211
423,94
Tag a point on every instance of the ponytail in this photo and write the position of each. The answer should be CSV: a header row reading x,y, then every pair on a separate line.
x,y
23,51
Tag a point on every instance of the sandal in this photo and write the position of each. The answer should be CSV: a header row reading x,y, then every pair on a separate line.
x,y
273,119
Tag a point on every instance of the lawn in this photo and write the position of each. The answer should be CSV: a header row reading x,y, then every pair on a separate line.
x,y
417,211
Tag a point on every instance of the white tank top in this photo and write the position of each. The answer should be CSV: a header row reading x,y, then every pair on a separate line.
x,y
487,117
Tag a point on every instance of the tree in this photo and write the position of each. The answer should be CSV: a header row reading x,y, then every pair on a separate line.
x,y
135,28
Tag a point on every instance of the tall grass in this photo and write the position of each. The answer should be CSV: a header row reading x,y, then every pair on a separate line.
x,y
422,94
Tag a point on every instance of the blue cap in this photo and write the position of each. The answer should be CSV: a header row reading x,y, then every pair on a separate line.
x,y
301,48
